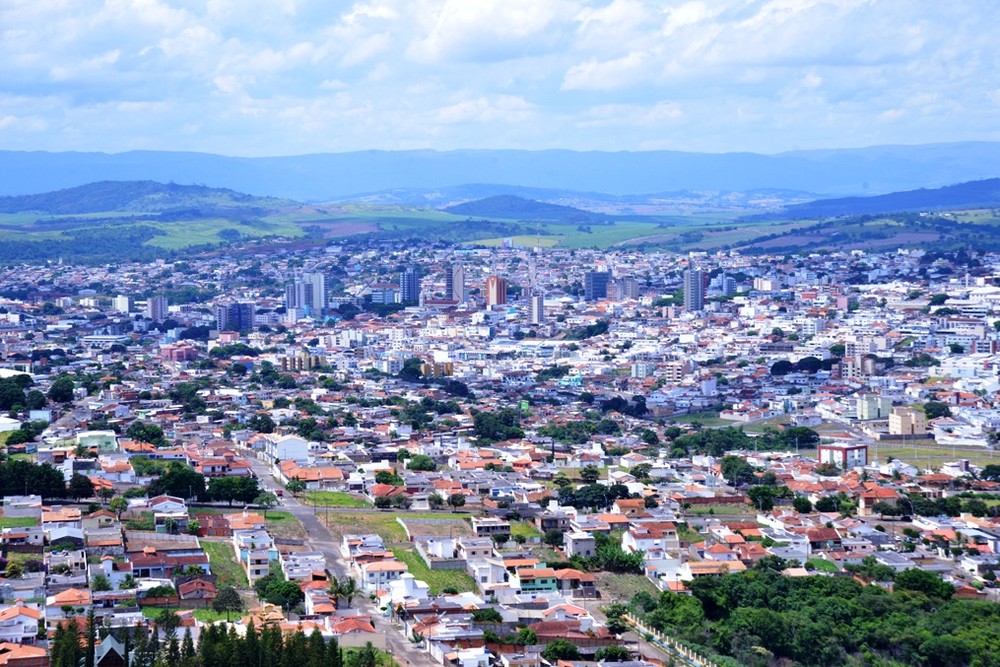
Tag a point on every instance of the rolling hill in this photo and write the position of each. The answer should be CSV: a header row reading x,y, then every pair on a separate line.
x,y
325,177
962,196
510,207
134,197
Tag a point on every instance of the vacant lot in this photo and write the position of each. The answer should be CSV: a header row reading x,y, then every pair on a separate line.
x,y
382,523
334,499
438,580
623,587
17,522
283,524
931,455
223,563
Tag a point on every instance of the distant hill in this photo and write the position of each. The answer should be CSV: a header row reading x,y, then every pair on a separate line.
x,y
517,208
970,195
133,197
323,177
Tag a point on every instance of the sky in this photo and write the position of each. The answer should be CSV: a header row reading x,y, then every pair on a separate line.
x,y
287,77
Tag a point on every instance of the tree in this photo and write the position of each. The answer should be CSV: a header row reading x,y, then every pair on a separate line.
x,y
118,505
61,390
14,570
456,500
266,500
347,588
935,409
295,486
924,582
434,501
612,654
100,582
146,432
227,600
80,486
561,649
421,462
128,582
885,509
802,504
35,400
553,537
762,497
590,474
736,470
179,480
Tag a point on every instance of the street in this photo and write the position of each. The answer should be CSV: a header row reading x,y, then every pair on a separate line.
x,y
398,646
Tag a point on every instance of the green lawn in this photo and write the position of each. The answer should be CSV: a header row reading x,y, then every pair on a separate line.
x,y
18,522
224,565
822,565
688,534
334,499
438,580
524,528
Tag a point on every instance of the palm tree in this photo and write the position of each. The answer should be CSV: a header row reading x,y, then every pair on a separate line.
x,y
348,588
334,588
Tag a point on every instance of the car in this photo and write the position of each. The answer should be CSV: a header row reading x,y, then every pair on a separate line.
x,y
279,492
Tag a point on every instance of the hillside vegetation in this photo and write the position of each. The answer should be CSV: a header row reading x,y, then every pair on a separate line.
x,y
517,208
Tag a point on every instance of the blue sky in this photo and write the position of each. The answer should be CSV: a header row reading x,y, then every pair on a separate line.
x,y
283,77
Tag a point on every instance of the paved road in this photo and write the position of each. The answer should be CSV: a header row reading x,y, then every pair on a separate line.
x,y
321,540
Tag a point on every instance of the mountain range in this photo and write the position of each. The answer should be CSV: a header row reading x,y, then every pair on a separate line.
x,y
336,176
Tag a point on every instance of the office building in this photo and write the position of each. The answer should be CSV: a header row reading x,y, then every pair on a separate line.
x,y
235,316
454,283
156,308
496,291
409,286
595,285
694,290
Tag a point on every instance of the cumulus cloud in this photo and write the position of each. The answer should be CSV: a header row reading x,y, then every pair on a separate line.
x,y
279,76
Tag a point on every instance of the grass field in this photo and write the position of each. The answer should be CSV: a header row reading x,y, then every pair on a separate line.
x,y
17,522
438,580
623,587
524,528
727,510
334,499
284,524
224,565
931,456
822,565
382,523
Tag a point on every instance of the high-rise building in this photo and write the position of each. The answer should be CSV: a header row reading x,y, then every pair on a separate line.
x,y
496,291
156,308
694,290
307,293
122,303
536,309
623,289
595,285
409,285
235,316
454,283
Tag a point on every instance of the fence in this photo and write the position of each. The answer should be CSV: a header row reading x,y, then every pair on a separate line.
x,y
668,644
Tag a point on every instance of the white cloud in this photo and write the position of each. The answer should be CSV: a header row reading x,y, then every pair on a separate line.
x,y
237,75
